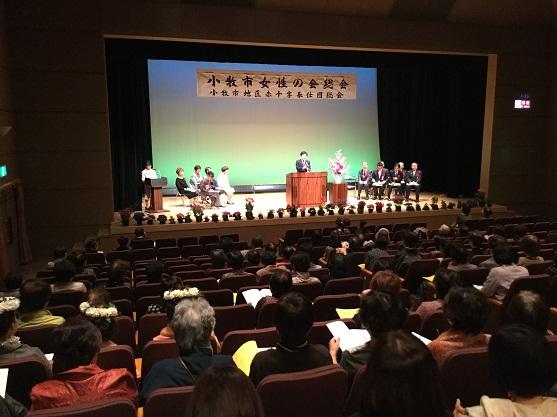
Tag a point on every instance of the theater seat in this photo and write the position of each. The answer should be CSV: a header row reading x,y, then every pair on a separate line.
x,y
233,340
318,392
434,325
113,357
167,402
344,286
325,306
24,374
149,326
38,336
113,407
123,332
156,351
240,317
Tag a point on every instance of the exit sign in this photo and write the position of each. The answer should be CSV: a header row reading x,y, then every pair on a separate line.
x,y
3,171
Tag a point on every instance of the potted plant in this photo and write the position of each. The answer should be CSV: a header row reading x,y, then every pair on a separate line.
x,y
443,204
389,208
187,218
162,219
303,212
338,166
150,219
260,216
280,212
139,217
410,207
206,219
434,201
351,209
225,216
249,208
370,208
172,220
331,209
237,216
361,206
418,207
312,212
321,211
341,209
459,204
197,212
426,207
379,207
180,218
450,205
215,218
292,210
125,215
271,214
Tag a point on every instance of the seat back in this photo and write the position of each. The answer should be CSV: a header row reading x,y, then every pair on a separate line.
x,y
123,332
202,284
354,399
459,369
478,259
219,298
266,337
196,274
433,325
539,268
240,317
143,303
142,244
66,311
155,351
470,277
24,374
95,258
413,322
417,270
120,292
352,285
187,241
114,357
38,336
124,255
266,316
168,402
311,290
124,307
146,254
535,283
325,306
323,274
292,236
168,242
146,290
234,283
149,326
111,407
72,298
192,250
328,384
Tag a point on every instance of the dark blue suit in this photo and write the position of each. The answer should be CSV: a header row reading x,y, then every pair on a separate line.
x,y
382,175
413,177
301,167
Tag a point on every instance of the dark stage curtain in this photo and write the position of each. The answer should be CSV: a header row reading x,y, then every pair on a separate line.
x,y
130,124
434,115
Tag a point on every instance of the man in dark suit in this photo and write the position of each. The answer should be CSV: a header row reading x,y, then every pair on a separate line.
x,y
397,179
379,179
413,181
303,164
363,180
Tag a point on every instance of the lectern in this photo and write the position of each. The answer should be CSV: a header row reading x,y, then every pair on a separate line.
x,y
156,193
306,189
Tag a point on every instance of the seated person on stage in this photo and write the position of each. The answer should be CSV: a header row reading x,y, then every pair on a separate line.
x,y
100,311
363,180
193,324
443,281
182,186
223,183
195,178
279,284
413,181
208,189
269,260
293,352
151,174
501,277
301,262
379,313
521,361
466,310
64,273
303,164
77,379
530,245
34,296
379,178
236,262
397,180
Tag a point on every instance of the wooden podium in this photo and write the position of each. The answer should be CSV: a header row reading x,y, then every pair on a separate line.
x,y
338,193
306,189
156,193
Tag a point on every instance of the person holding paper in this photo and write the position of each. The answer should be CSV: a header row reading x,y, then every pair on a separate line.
x,y
397,179
148,173
293,352
379,178
363,180
413,181
280,284
380,312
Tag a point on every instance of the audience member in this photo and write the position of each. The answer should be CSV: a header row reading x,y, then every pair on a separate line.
x,y
379,312
167,283
501,277
10,346
492,243
118,274
466,310
293,353
91,245
218,259
300,268
226,243
64,273
280,284
139,234
530,245
253,256
170,299
385,280
58,255
527,308
269,261
401,363
193,324
443,281
522,362
477,239
153,272
460,259
338,265
287,253
464,215
78,258
123,243
378,250
35,295
100,311
224,391
12,282
236,262
407,255
77,379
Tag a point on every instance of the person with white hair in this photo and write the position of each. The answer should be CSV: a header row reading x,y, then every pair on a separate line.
x,y
193,323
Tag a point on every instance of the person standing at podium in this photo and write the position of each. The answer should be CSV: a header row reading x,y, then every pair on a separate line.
x,y
303,164
150,173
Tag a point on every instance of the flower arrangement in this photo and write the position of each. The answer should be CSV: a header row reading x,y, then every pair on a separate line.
x,y
379,207
139,216
180,218
410,207
312,212
303,212
280,212
338,166
370,208
98,312
8,304
197,210
215,218
162,219
249,204
180,294
225,216
292,210
271,214
389,208
237,216
172,220
206,219
341,209
125,215
361,206
418,207
398,199
451,205
351,209
150,219
187,218
321,211
434,201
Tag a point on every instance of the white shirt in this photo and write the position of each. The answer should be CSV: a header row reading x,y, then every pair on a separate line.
x,y
223,181
148,173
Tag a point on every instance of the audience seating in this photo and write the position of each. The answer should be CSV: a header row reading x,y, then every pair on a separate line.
x,y
218,273
113,357
38,336
325,306
168,402
317,392
61,298
240,317
23,375
195,274
321,273
95,258
413,322
149,326
192,250
354,398
143,303
146,290
187,241
173,269
266,337
123,332
344,286
478,259
320,334
168,242
142,244
470,277
234,283
155,351
202,284
433,325
266,316
219,298
168,252
311,290
143,254
417,270
66,311
112,407
539,268
121,292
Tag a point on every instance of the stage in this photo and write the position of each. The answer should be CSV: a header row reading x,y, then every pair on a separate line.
x,y
273,229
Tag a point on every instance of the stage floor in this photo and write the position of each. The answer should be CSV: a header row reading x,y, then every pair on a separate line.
x,y
263,202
